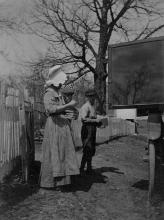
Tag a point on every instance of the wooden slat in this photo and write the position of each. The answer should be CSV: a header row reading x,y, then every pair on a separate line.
x,y
13,137
2,121
1,126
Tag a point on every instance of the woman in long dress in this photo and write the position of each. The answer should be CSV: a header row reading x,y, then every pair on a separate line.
x,y
59,160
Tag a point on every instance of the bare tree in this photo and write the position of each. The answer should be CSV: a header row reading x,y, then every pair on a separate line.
x,y
79,32
6,24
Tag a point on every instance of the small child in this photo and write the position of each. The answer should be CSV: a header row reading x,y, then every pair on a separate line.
x,y
67,94
88,131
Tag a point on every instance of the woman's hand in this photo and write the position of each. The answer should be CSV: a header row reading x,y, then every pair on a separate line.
x,y
72,103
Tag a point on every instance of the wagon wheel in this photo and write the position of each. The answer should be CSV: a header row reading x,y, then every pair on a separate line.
x,y
151,168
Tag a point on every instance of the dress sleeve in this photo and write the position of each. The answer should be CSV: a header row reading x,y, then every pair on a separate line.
x,y
51,101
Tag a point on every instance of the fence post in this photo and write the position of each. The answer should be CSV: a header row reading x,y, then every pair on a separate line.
x,y
30,137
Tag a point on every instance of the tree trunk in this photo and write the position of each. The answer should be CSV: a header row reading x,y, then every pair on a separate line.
x,y
100,86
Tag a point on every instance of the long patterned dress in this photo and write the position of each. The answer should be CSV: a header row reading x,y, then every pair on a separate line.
x,y
59,160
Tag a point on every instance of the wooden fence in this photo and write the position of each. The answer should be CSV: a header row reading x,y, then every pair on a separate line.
x,y
16,129
116,127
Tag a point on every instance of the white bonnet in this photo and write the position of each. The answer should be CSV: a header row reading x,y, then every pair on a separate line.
x,y
56,76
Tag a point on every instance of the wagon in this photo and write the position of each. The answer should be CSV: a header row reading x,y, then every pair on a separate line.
x,y
136,80
156,150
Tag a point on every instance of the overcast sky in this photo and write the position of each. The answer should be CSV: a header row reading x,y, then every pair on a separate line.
x,y
15,47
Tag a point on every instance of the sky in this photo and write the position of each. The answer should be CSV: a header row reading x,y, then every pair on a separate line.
x,y
16,48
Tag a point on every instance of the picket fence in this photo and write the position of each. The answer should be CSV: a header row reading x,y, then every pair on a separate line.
x,y
116,127
15,129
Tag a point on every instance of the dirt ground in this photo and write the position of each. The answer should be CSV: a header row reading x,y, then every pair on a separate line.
x,y
116,191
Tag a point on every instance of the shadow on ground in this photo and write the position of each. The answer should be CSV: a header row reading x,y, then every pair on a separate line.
x,y
157,197
142,184
101,141
12,194
85,181
14,190
108,169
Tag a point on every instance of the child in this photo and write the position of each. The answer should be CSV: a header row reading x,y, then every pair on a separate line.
x,y
67,94
88,131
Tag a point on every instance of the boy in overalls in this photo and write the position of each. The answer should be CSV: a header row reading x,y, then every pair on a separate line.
x,y
88,131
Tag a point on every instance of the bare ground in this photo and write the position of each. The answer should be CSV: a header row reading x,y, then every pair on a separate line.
x,y
116,191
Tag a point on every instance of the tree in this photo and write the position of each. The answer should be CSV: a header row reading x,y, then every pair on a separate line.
x,y
132,91
34,83
6,24
80,85
79,32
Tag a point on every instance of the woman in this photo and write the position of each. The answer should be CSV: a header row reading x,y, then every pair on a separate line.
x,y
59,159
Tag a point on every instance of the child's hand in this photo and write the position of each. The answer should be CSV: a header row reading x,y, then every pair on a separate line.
x,y
75,96
91,120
